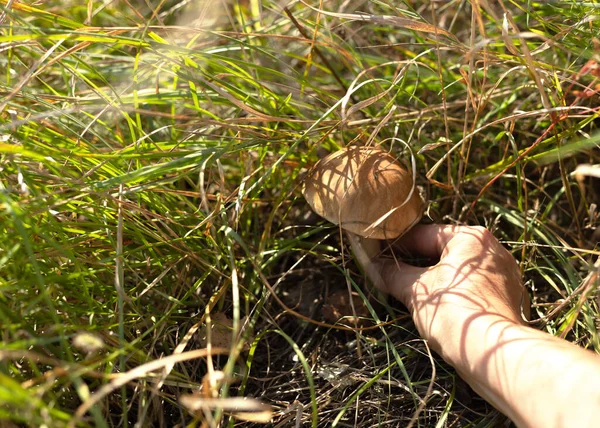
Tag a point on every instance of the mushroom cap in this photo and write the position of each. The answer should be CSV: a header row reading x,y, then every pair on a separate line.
x,y
366,191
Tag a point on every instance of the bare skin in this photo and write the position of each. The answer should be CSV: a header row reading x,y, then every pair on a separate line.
x,y
468,308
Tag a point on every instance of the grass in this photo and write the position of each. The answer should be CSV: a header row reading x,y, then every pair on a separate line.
x,y
151,159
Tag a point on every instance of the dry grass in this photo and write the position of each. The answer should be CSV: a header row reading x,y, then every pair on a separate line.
x,y
151,158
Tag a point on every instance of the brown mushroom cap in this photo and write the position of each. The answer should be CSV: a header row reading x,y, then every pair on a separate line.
x,y
366,191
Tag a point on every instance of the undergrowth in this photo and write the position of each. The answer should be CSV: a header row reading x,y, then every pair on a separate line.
x,y
151,161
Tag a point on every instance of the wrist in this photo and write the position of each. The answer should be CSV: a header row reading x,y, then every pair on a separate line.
x,y
464,338
483,340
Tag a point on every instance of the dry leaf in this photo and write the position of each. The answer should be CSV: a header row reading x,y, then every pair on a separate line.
x,y
221,333
246,409
442,142
338,306
88,342
586,170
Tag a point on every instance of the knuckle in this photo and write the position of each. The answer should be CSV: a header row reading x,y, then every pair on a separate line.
x,y
480,230
482,234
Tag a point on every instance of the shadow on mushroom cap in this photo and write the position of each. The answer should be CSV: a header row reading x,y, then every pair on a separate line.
x,y
366,191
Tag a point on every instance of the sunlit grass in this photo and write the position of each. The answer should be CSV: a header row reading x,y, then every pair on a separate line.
x,y
151,159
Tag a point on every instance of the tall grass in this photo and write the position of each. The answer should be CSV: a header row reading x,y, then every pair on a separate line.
x,y
151,158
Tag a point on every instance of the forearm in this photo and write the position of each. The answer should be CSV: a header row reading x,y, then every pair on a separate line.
x,y
468,306
527,374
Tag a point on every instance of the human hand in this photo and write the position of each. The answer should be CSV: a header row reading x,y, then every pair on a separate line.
x,y
476,277
468,307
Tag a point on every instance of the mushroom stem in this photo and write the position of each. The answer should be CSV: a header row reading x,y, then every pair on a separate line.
x,y
365,250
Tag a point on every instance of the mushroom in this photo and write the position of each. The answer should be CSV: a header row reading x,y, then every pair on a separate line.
x,y
368,193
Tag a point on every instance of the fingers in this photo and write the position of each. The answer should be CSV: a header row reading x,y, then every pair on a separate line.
x,y
436,241
395,277
430,240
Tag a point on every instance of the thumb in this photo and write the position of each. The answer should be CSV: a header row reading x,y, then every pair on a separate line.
x,y
395,277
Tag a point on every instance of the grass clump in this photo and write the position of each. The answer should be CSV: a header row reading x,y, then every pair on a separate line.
x,y
151,157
